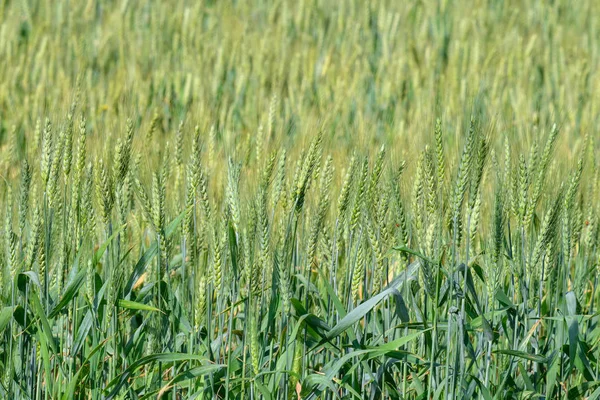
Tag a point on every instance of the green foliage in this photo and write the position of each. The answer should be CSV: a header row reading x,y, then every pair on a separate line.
x,y
311,200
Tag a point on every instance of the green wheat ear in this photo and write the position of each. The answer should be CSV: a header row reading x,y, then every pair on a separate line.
x,y
26,175
358,275
418,197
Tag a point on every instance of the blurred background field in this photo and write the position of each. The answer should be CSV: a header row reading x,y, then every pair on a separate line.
x,y
365,73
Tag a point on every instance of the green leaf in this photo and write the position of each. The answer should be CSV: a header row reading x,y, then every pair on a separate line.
x,y
263,390
401,309
23,277
339,307
74,381
69,294
414,253
331,369
122,378
579,391
39,312
5,316
485,392
524,355
395,344
100,252
192,374
551,376
319,380
139,268
356,314
132,305
525,376
571,303
24,320
595,395
82,332
319,326
573,339
503,298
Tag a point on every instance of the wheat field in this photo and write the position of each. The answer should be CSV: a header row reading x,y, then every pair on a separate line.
x,y
299,200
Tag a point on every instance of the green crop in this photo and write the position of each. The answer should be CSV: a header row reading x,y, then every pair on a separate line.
x,y
299,200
